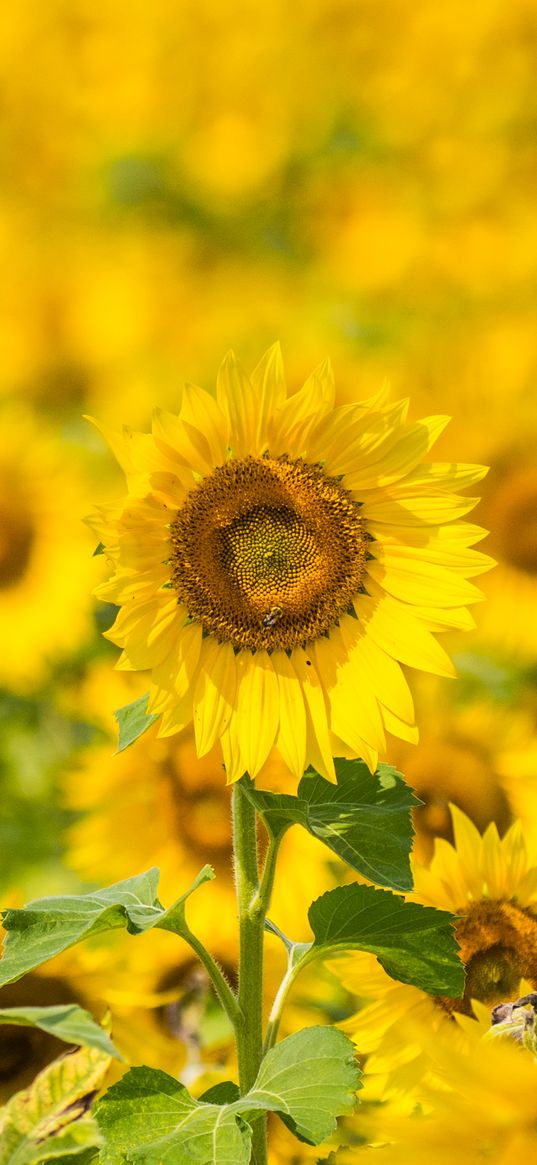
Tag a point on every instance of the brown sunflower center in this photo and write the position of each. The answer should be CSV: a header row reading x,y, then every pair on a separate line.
x,y
498,942
513,518
16,542
268,553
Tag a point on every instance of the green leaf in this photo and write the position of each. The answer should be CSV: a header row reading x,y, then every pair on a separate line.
x,y
415,944
133,720
49,1120
149,1118
99,549
364,818
225,1092
48,926
309,1079
66,1021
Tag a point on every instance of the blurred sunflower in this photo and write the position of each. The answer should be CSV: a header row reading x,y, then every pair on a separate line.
x,y
44,606
284,554
162,805
460,759
491,884
509,507
477,1105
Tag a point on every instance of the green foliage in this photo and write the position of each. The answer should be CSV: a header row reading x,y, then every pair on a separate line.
x,y
148,1118
48,926
66,1021
49,1122
133,720
364,818
309,1079
415,944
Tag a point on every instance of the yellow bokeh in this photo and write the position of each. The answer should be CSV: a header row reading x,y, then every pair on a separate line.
x,y
356,178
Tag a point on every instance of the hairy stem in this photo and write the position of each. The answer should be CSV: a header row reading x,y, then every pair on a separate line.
x,y
226,996
251,909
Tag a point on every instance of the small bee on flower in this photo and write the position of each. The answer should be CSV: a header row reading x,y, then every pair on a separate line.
x,y
272,616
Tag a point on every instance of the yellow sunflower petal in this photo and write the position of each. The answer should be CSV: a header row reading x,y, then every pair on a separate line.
x,y
289,429
390,464
182,442
292,734
268,380
354,711
415,581
318,751
394,628
352,437
257,689
214,693
238,402
145,632
414,510
175,673
399,728
199,409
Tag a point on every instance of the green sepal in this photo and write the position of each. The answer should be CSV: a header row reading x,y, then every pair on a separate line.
x,y
133,720
46,927
99,549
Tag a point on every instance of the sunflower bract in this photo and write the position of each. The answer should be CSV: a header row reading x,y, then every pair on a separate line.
x,y
276,559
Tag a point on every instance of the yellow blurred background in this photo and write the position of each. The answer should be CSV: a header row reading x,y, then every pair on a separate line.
x,y
354,177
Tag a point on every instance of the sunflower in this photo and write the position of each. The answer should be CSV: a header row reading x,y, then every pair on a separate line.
x,y
44,609
477,1105
460,760
491,884
277,558
509,508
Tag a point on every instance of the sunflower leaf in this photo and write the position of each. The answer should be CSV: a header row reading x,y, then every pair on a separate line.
x,y
309,1079
49,1121
415,944
66,1021
133,720
364,818
149,1118
48,926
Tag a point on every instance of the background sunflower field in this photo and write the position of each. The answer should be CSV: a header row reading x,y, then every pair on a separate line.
x,y
356,178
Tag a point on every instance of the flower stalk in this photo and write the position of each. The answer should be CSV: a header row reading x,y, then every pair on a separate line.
x,y
252,910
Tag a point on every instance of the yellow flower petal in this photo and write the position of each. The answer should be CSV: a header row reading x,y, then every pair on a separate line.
x,y
214,693
291,739
395,629
268,381
318,751
199,409
290,427
238,401
257,689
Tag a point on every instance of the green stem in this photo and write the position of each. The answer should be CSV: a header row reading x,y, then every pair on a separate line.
x,y
251,929
293,970
264,893
222,989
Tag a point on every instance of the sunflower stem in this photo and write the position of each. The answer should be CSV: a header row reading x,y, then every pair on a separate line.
x,y
227,998
251,909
